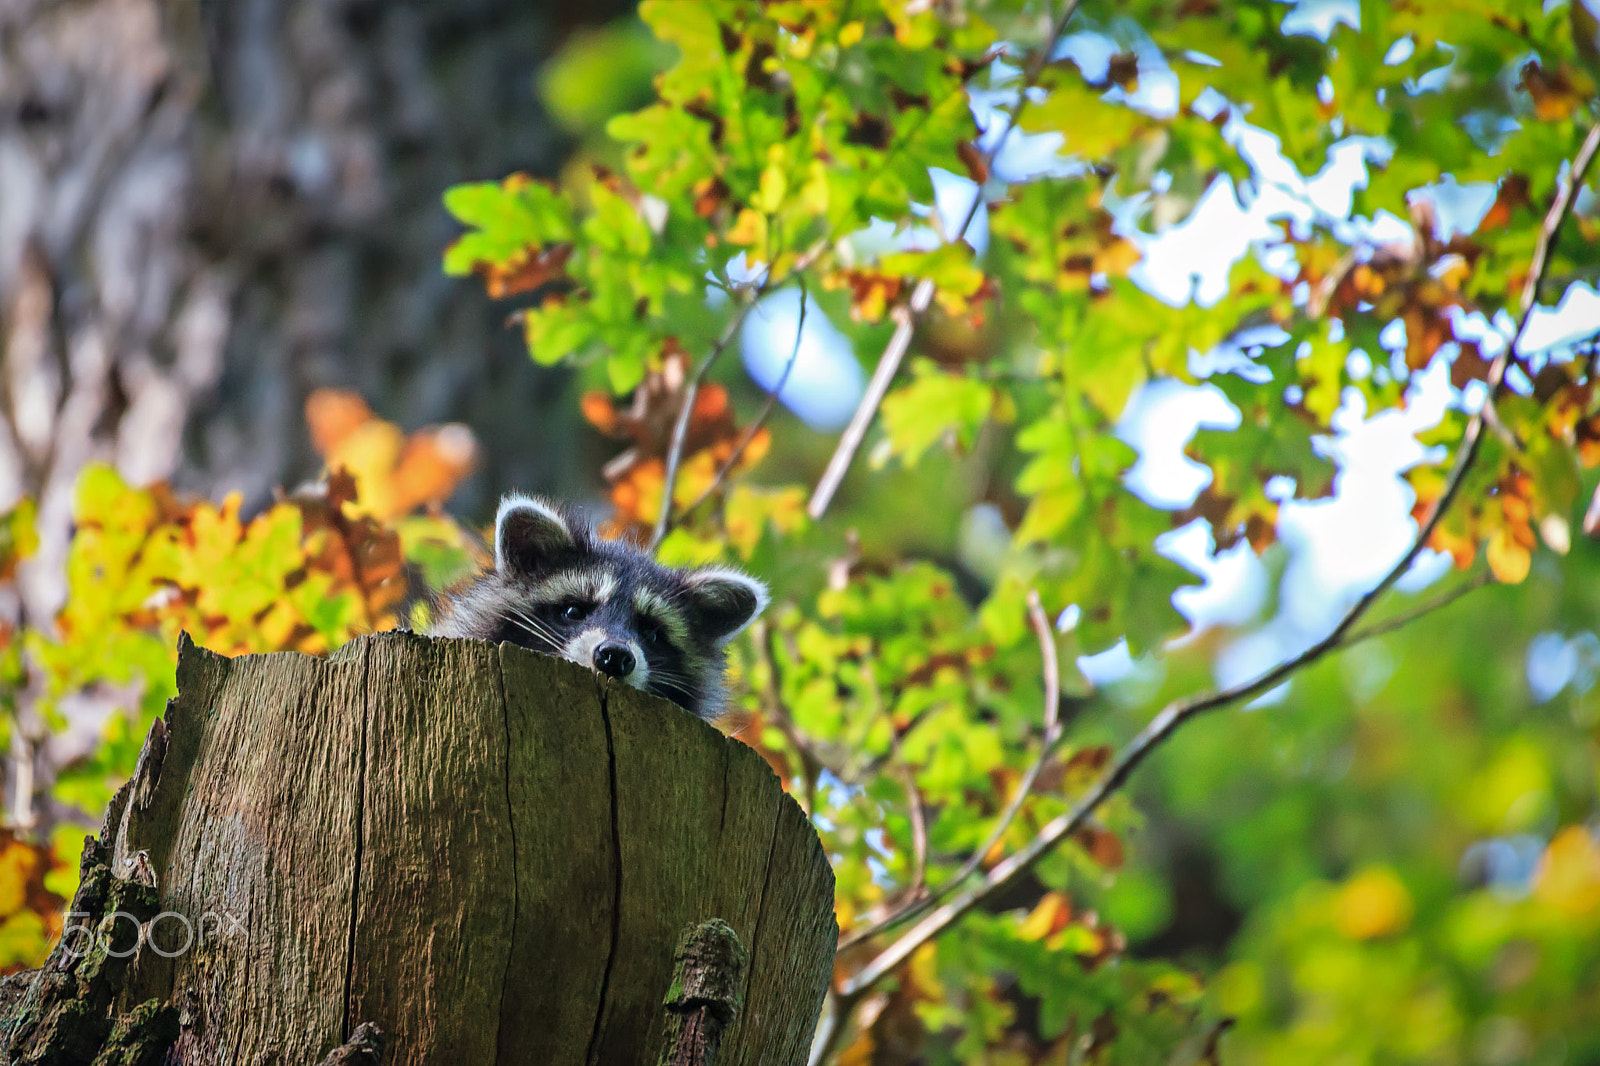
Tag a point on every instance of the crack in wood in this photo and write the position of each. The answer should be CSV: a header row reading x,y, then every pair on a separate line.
x,y
511,827
616,896
766,880
360,842
290,787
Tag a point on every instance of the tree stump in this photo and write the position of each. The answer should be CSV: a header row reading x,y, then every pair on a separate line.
x,y
487,854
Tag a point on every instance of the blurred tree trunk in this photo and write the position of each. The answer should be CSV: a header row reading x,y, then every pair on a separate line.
x,y
208,210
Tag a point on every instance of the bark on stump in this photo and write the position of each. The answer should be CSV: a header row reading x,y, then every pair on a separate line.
x,y
486,853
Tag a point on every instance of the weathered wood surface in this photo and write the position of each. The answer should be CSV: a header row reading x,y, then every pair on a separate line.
x,y
487,853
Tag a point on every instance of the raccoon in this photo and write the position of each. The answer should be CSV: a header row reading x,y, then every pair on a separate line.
x,y
559,588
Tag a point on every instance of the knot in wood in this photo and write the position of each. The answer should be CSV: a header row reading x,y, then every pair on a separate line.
x,y
708,971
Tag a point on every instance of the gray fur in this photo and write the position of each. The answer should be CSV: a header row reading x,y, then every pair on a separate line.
x,y
549,563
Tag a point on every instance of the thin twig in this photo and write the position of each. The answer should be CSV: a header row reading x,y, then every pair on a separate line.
x,y
888,365
680,429
1405,618
1174,715
919,830
1047,746
765,412
921,296
811,764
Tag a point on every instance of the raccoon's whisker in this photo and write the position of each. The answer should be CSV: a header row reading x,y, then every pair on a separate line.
x,y
668,678
548,557
658,682
529,622
532,624
535,626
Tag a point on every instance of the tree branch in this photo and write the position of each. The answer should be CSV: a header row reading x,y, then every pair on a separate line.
x,y
811,763
1405,618
919,829
680,429
922,295
1174,715
1052,734
765,412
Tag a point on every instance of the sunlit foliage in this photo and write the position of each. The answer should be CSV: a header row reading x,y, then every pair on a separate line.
x,y
906,710
1358,840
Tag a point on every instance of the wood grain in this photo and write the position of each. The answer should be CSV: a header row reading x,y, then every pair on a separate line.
x,y
488,854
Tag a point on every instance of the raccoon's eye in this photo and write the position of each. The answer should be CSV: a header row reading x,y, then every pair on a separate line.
x,y
652,632
575,611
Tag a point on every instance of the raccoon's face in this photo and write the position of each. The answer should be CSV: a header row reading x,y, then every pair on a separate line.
x,y
559,589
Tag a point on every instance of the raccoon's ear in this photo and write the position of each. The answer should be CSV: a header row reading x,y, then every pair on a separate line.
x,y
529,535
724,601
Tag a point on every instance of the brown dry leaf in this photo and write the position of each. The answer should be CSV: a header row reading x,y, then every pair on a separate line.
x,y
871,131
529,271
871,293
1426,331
1586,434
1103,846
1090,760
1469,365
1556,93
1512,194
1123,71
638,473
710,196
357,551
977,166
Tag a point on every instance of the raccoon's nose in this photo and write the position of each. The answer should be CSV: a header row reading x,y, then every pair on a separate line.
x,y
613,659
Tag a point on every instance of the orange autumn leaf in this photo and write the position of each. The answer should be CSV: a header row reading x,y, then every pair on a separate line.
x,y
332,415
393,473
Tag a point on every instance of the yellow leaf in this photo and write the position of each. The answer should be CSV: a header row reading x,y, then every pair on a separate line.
x,y
1568,879
16,865
694,477
851,33
370,452
1373,904
860,1052
682,548
1050,914
774,187
1239,988
24,940
750,229
923,971
749,510
1512,791
1117,258
814,194
1508,560
800,43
